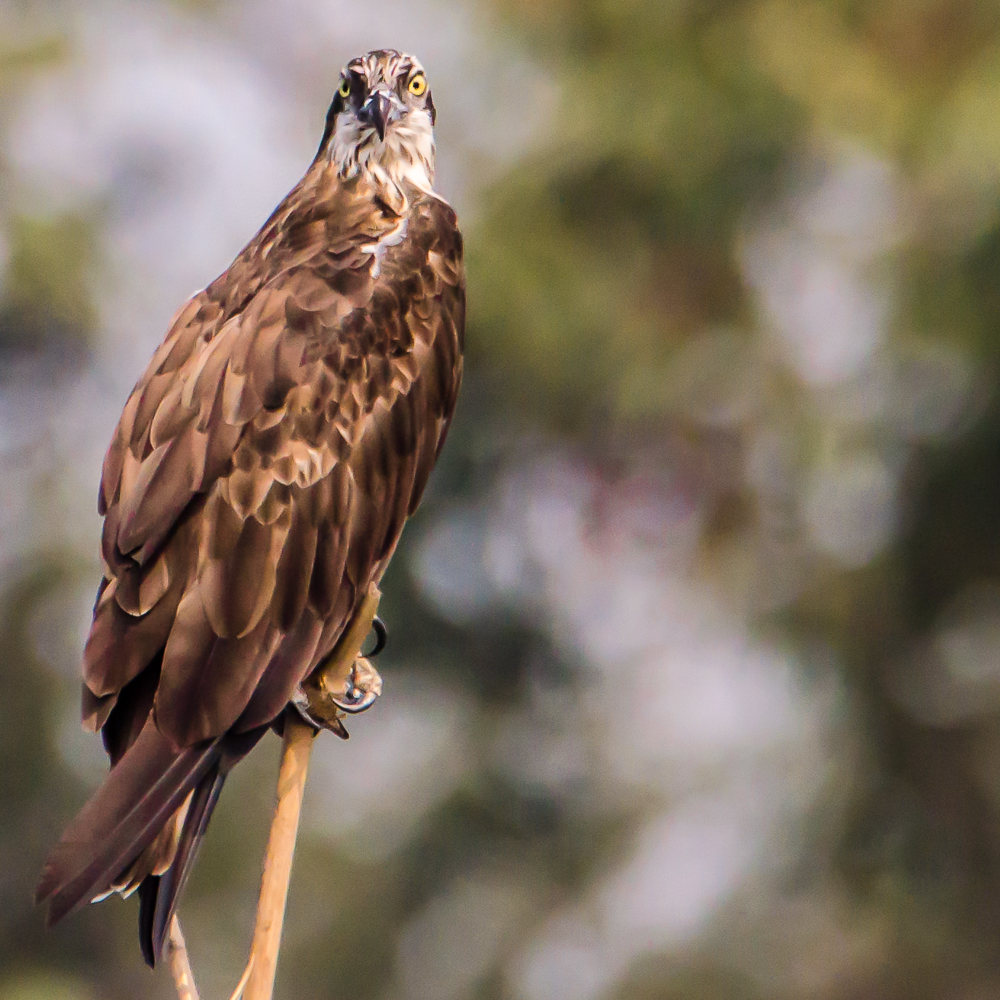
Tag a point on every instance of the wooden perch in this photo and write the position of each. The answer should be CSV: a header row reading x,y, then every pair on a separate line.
x,y
180,965
295,753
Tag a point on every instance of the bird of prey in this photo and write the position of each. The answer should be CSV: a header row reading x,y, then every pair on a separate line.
x,y
258,482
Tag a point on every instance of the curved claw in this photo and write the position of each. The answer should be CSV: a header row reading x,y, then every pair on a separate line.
x,y
362,688
381,637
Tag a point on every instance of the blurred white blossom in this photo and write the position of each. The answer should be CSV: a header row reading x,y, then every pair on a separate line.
x,y
685,864
849,507
952,675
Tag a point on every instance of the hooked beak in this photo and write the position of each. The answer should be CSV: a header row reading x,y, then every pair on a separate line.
x,y
375,112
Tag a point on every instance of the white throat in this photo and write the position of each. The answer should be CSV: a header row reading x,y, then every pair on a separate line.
x,y
406,154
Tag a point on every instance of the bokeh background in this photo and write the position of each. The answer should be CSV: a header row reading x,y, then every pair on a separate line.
x,y
693,685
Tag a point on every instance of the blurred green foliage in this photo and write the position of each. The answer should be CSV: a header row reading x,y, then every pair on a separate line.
x,y
47,291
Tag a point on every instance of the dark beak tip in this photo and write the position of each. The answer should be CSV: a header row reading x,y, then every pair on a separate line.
x,y
376,113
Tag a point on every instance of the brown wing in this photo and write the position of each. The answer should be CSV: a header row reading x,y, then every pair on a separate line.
x,y
265,463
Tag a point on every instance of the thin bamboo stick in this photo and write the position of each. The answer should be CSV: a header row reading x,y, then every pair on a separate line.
x,y
296,747
180,964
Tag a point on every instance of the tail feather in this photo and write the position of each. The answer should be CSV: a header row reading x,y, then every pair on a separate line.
x,y
139,795
148,891
158,894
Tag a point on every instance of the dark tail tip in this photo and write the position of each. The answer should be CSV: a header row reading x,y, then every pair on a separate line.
x,y
158,894
148,891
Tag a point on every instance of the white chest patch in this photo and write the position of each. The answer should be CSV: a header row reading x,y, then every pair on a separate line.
x,y
378,250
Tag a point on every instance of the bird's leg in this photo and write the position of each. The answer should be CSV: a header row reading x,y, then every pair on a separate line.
x,y
344,675
346,682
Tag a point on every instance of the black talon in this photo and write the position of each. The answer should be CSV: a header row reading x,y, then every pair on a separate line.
x,y
335,726
381,635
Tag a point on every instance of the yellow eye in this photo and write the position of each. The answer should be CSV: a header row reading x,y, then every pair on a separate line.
x,y
418,85
345,87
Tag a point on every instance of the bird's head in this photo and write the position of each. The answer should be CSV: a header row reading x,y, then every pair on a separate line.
x,y
381,121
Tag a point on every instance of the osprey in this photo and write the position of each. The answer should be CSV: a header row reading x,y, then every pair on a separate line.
x,y
258,482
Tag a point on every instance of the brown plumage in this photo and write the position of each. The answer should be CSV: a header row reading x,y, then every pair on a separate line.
x,y
258,482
